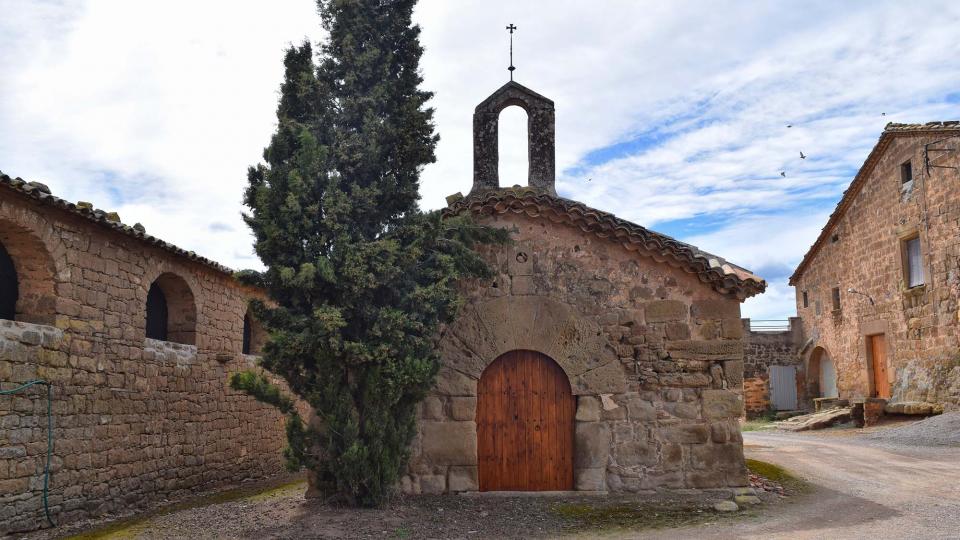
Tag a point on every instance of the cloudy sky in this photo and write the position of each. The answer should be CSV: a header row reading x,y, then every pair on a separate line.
x,y
673,114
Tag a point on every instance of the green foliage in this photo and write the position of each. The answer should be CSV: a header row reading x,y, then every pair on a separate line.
x,y
360,277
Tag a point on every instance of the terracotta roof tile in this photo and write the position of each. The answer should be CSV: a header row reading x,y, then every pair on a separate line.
x,y
41,193
725,277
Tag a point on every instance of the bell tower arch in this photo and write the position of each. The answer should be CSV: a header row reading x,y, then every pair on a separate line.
x,y
541,158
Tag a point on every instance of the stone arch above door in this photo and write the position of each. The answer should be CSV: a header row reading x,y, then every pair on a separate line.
x,y
486,330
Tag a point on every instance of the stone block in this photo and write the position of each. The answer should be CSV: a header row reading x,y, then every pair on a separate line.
x,y
677,331
463,408
588,409
671,456
662,480
664,311
710,350
705,479
721,404
454,383
608,378
433,484
688,411
731,329
716,309
633,453
593,479
733,372
685,433
640,409
718,432
726,506
463,479
715,456
432,408
450,443
591,445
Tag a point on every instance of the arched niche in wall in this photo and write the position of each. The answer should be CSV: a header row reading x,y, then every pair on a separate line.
x,y
171,313
254,335
27,285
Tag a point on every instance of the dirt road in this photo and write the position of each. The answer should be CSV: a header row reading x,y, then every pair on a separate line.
x,y
862,490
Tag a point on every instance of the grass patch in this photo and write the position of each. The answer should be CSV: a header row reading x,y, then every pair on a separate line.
x,y
757,424
131,527
599,517
777,474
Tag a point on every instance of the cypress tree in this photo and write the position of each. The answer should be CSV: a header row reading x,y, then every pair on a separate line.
x,y
359,276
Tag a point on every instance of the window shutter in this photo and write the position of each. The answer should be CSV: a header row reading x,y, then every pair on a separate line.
x,y
914,262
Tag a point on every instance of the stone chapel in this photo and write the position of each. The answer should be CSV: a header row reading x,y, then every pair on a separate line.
x,y
602,357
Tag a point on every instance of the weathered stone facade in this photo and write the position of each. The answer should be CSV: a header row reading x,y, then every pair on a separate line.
x,y
135,420
646,329
763,349
862,247
654,357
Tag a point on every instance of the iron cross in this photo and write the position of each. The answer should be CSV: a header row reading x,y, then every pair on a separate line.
x,y
511,27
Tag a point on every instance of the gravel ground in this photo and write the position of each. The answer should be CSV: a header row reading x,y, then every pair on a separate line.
x,y
284,513
940,430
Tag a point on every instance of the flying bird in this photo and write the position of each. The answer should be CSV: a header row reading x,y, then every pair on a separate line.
x,y
802,156
783,174
789,125
883,114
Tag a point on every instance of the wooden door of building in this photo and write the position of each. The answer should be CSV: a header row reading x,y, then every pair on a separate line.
x,y
783,387
878,357
525,413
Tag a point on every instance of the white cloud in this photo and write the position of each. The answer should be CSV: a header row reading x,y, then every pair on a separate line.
x,y
156,109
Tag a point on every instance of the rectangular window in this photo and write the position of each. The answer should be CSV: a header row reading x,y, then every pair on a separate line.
x,y
906,173
806,301
914,262
836,298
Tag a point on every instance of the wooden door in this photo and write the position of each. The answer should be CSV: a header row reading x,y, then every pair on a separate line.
x,y
878,355
525,413
783,387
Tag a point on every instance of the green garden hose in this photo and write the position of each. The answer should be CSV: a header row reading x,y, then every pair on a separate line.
x,y
46,465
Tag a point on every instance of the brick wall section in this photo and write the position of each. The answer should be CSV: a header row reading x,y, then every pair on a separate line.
x,y
136,420
765,349
920,324
654,357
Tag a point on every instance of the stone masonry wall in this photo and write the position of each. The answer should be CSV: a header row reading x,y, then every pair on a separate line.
x,y
920,324
653,355
136,421
763,349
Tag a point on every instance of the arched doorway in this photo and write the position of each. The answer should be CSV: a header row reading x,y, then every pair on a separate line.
x,y
525,414
822,374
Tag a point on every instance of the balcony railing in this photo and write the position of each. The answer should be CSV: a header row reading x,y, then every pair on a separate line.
x,y
769,325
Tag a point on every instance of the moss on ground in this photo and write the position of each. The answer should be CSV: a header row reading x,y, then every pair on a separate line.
x,y
778,474
131,527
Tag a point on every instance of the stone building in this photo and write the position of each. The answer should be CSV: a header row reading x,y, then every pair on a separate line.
x,y
602,357
137,339
878,291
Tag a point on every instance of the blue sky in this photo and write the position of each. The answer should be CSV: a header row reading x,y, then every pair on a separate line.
x,y
670,114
